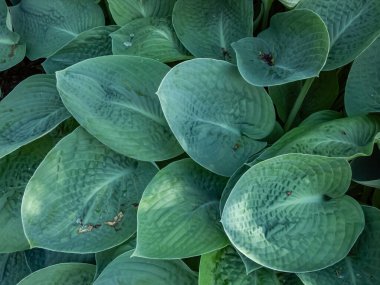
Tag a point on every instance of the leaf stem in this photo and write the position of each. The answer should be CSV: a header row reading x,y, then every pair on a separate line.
x,y
297,105
267,5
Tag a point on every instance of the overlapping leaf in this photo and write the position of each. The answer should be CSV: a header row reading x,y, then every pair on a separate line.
x,y
207,28
31,110
289,213
83,196
46,26
113,98
366,170
352,24
217,117
294,47
179,213
363,84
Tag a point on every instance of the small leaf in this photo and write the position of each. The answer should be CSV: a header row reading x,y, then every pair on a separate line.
x,y
352,24
31,110
46,26
81,198
267,215
290,3
221,140
129,270
178,215
294,47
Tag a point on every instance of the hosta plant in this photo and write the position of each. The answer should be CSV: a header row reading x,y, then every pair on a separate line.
x,y
190,142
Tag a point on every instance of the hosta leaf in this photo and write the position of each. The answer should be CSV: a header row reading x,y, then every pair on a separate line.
x,y
217,117
290,3
149,37
363,84
46,26
63,273
352,24
91,43
135,271
113,98
321,117
366,170
83,196
31,110
124,11
269,212
362,264
294,47
207,28
225,267
15,172
346,137
249,264
178,215
13,268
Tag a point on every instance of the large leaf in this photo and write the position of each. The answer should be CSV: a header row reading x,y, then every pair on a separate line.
x,y
217,117
113,98
352,24
45,26
83,196
15,172
149,37
366,170
294,47
346,137
31,110
207,28
63,273
363,84
13,268
225,267
269,212
362,264
124,11
125,270
91,43
179,215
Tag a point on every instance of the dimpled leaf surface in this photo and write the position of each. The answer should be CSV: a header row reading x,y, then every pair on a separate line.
x,y
149,37
207,28
362,264
220,140
15,172
294,47
63,273
363,83
352,24
269,212
129,270
31,110
225,267
113,98
82,197
124,11
179,213
88,44
46,26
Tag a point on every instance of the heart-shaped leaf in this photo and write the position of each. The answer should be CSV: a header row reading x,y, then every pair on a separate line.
x,y
88,44
294,47
363,84
149,37
46,26
31,110
362,264
218,118
124,11
63,273
352,24
178,215
207,28
83,196
267,215
113,98
129,270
